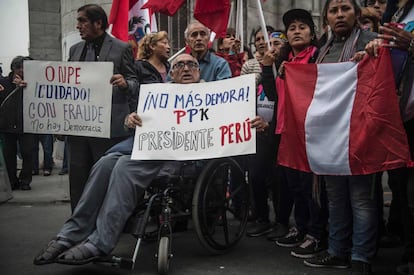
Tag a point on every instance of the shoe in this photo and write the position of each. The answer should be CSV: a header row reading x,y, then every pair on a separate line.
x,y
390,241
78,255
47,173
308,249
63,171
259,229
25,187
279,230
35,172
292,239
327,260
360,268
49,254
15,186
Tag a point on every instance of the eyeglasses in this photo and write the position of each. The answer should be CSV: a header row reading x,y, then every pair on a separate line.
x,y
190,64
372,2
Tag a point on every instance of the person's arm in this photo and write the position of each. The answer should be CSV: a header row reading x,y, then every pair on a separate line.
x,y
126,80
223,70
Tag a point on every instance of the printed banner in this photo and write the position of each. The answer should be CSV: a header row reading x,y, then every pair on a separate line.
x,y
68,98
196,121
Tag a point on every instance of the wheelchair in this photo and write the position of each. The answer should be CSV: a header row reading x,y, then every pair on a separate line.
x,y
214,194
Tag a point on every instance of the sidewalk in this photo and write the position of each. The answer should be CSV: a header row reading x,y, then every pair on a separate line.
x,y
51,189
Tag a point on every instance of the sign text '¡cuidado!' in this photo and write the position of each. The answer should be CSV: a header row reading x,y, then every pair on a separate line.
x,y
66,77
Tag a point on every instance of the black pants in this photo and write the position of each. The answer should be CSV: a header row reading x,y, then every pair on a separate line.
x,y
83,152
26,143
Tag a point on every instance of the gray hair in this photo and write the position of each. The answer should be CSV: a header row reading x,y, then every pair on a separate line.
x,y
190,25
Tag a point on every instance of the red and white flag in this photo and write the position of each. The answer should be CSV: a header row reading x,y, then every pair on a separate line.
x,y
214,14
129,22
343,118
168,7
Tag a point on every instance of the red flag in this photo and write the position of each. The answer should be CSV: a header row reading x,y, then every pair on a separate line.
x,y
118,17
130,22
214,14
168,7
343,118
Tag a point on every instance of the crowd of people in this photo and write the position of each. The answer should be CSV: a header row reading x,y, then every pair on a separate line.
x,y
337,221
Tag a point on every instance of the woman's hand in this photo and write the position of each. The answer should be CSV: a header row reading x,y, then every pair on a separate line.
x,y
358,56
269,57
396,36
281,71
372,48
133,120
259,123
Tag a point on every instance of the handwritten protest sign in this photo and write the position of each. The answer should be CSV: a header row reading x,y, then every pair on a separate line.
x,y
196,121
68,98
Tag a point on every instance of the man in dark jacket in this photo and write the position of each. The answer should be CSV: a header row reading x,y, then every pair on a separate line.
x,y
11,126
99,46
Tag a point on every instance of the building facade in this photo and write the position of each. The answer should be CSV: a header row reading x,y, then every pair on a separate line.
x,y
52,23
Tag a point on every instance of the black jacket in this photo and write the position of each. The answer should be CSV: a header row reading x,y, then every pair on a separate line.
x,y
11,110
146,74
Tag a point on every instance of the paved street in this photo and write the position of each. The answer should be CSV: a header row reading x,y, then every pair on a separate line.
x,y
32,218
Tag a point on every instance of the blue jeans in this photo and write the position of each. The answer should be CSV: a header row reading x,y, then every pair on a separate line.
x,y
47,145
353,216
310,218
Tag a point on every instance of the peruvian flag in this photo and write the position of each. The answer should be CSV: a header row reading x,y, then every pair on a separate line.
x,y
214,14
129,22
343,118
168,7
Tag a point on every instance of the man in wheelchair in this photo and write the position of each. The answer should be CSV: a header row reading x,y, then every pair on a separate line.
x,y
115,187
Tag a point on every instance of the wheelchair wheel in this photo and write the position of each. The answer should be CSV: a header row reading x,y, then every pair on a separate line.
x,y
163,255
221,205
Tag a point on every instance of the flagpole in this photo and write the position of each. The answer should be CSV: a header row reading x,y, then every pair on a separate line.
x,y
176,54
241,27
264,31
231,14
262,23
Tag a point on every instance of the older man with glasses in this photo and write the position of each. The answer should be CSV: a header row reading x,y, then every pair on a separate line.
x,y
97,222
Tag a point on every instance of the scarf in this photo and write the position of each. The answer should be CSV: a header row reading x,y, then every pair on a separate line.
x,y
348,50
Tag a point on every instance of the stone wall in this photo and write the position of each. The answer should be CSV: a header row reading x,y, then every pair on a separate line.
x,y
45,30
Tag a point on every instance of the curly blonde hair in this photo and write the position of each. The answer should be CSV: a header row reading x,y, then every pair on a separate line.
x,y
144,49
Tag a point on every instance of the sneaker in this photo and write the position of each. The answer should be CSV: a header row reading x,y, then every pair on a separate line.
x,y
63,171
278,231
327,260
360,268
405,269
25,187
15,186
258,229
308,249
390,241
47,172
292,239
